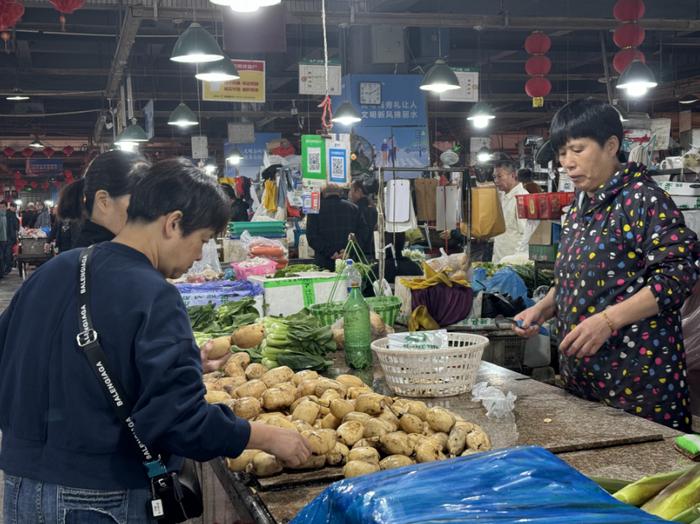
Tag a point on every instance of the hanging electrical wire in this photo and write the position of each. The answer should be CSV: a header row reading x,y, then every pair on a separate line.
x,y
327,114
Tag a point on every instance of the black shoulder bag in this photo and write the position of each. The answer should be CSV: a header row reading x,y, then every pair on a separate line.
x,y
174,498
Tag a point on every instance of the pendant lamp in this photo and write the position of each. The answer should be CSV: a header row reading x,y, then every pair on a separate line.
x,y
17,95
685,100
637,79
36,145
480,115
439,78
235,157
346,115
182,116
220,71
133,133
196,46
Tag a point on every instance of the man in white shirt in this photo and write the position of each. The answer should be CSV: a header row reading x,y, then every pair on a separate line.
x,y
514,240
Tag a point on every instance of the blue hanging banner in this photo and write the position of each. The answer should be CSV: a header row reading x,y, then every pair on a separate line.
x,y
44,167
252,156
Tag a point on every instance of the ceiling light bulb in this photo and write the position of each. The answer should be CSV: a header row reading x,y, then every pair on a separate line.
x,y
483,155
234,158
182,116
637,79
220,71
439,78
481,121
244,6
347,115
636,90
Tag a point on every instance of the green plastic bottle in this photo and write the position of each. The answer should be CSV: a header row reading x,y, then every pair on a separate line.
x,y
358,335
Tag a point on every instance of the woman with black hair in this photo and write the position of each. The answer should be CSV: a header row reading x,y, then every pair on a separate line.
x,y
100,198
626,263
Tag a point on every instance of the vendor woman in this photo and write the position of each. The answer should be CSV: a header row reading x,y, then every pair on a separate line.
x,y
626,263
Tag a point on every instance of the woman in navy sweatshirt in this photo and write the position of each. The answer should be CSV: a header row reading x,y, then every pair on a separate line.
x,y
65,453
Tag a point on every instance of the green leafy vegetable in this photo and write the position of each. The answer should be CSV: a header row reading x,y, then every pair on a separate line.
x,y
295,268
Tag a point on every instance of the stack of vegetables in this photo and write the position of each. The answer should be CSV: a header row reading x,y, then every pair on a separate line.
x,y
673,496
345,422
218,323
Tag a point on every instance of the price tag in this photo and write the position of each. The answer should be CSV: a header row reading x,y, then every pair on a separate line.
x,y
157,508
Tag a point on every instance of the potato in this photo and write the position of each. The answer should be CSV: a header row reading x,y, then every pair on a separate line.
x,y
321,441
441,438
231,383
354,391
370,403
411,423
388,416
265,465
233,369
248,336
313,462
219,347
307,387
214,397
330,422
253,388
395,461
396,443
358,467
323,411
376,427
340,408
301,376
240,463
478,440
337,455
275,399
329,396
255,371
457,440
371,442
277,376
208,377
242,358
214,385
468,452
356,415
317,424
312,398
414,439
280,422
428,450
350,432
326,383
306,411
400,405
417,408
350,381
288,387
302,426
440,419
364,454
267,416
247,407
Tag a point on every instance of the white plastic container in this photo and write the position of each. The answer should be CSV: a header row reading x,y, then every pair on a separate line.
x,y
286,296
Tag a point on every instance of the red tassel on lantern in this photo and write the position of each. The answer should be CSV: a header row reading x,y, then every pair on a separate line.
x,y
68,150
48,152
538,65
66,7
624,58
27,152
628,10
8,152
537,43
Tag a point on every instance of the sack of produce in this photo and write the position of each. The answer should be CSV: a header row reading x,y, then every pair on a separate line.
x,y
526,484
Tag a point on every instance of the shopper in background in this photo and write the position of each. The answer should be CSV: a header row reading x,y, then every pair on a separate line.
x,y
360,196
4,243
100,198
327,231
29,216
626,264
12,236
514,240
65,453
43,217
63,236
527,179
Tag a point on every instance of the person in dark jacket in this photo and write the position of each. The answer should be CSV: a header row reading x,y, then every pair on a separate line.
x,y
328,231
64,235
65,453
29,216
100,198
43,217
12,234
360,196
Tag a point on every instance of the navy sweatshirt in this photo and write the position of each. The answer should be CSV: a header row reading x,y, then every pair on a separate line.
x,y
57,423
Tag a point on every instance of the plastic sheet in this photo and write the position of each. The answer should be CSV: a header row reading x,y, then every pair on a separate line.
x,y
507,282
514,485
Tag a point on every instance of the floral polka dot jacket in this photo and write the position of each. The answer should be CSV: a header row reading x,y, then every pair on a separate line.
x,y
627,236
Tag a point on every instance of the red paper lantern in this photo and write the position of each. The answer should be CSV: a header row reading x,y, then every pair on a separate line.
x,y
628,10
628,35
538,87
34,184
27,152
537,43
48,152
10,13
68,150
45,185
8,152
624,57
66,7
538,65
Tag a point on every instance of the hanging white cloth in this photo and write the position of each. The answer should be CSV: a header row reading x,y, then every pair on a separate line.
x,y
515,239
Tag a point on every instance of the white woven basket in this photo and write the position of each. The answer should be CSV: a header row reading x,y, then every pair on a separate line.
x,y
432,372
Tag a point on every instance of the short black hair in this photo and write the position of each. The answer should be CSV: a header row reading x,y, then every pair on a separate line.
x,y
177,185
525,175
506,164
359,185
585,118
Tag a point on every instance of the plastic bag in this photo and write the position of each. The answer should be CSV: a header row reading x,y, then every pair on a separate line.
x,y
507,282
266,248
456,265
209,260
513,485
255,266
496,403
419,340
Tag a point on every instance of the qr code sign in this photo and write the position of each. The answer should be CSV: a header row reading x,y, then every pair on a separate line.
x,y
313,159
338,167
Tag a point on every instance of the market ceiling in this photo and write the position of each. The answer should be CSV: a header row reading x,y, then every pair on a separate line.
x,y
77,71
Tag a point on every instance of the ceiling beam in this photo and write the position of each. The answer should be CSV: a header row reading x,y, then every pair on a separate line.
x,y
127,37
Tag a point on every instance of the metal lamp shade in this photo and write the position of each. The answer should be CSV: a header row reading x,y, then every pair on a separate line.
x,y
637,79
220,71
347,114
439,78
481,110
182,116
196,46
133,133
688,99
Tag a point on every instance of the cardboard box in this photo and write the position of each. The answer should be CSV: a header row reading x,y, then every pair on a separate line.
x,y
546,234
544,253
286,296
686,202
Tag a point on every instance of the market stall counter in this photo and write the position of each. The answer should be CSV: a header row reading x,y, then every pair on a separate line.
x,y
597,440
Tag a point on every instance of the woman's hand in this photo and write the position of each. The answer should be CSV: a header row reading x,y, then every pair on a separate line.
x,y
285,444
586,338
532,318
210,365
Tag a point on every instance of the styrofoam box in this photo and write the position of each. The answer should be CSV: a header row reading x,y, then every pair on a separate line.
x,y
692,219
681,188
286,296
686,202
203,298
